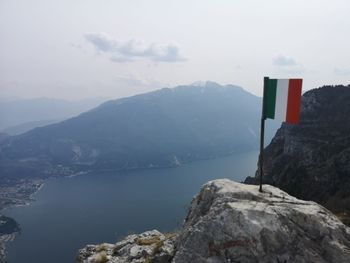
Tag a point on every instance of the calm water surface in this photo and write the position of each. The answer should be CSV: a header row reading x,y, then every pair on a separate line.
x,y
71,212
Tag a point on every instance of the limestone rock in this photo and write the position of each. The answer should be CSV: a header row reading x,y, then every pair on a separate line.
x,y
150,246
233,222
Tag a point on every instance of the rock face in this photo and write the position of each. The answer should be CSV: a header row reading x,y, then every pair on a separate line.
x,y
233,222
312,160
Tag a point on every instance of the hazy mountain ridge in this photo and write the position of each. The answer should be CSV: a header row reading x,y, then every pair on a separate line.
x,y
157,129
27,126
20,115
311,160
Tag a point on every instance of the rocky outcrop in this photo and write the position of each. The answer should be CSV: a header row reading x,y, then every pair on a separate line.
x,y
311,160
150,246
233,222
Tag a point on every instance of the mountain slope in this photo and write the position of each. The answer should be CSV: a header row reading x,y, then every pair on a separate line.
x,y
158,129
312,160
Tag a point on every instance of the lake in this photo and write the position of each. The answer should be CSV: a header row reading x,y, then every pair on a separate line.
x,y
70,213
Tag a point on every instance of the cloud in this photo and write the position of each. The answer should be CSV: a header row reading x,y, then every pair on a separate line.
x,y
284,61
342,71
133,50
288,64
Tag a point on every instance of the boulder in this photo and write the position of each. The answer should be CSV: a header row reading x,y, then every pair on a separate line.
x,y
233,222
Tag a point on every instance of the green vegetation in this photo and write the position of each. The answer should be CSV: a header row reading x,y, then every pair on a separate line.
x,y
8,225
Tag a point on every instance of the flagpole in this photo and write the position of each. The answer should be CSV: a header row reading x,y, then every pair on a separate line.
x,y
262,134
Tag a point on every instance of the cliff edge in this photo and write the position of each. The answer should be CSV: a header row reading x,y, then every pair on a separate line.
x,y
311,160
233,222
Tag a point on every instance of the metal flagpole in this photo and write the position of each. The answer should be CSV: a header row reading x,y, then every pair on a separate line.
x,y
262,133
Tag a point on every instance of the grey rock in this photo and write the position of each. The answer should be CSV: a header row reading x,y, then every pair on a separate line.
x,y
150,246
233,222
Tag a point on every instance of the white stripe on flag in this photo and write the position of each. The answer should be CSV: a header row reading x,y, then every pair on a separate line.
x,y
281,99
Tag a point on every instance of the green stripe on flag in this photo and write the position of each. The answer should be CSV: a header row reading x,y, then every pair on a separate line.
x,y
270,99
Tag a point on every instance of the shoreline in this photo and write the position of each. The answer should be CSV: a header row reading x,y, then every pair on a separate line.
x,y
24,201
28,189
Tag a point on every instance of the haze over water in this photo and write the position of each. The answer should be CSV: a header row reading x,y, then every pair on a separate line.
x,y
71,212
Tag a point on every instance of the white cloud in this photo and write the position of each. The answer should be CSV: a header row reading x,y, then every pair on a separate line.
x,y
133,50
284,61
288,64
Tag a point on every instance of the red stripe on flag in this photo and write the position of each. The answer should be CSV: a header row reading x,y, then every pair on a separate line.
x,y
294,101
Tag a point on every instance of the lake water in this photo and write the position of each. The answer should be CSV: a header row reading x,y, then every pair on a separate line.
x,y
71,212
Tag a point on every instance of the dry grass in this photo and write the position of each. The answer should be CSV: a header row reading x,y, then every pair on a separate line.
x,y
101,257
101,247
157,247
169,235
155,241
147,241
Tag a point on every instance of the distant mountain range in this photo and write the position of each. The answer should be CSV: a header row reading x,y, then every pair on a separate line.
x,y
20,115
312,160
27,126
164,128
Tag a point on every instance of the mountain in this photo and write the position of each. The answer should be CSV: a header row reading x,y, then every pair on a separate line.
x,y
157,129
312,160
3,136
232,222
20,115
27,126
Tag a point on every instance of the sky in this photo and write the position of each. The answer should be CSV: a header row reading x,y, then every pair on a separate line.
x,y
75,49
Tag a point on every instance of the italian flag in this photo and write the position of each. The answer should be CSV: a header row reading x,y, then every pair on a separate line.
x,y
282,98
